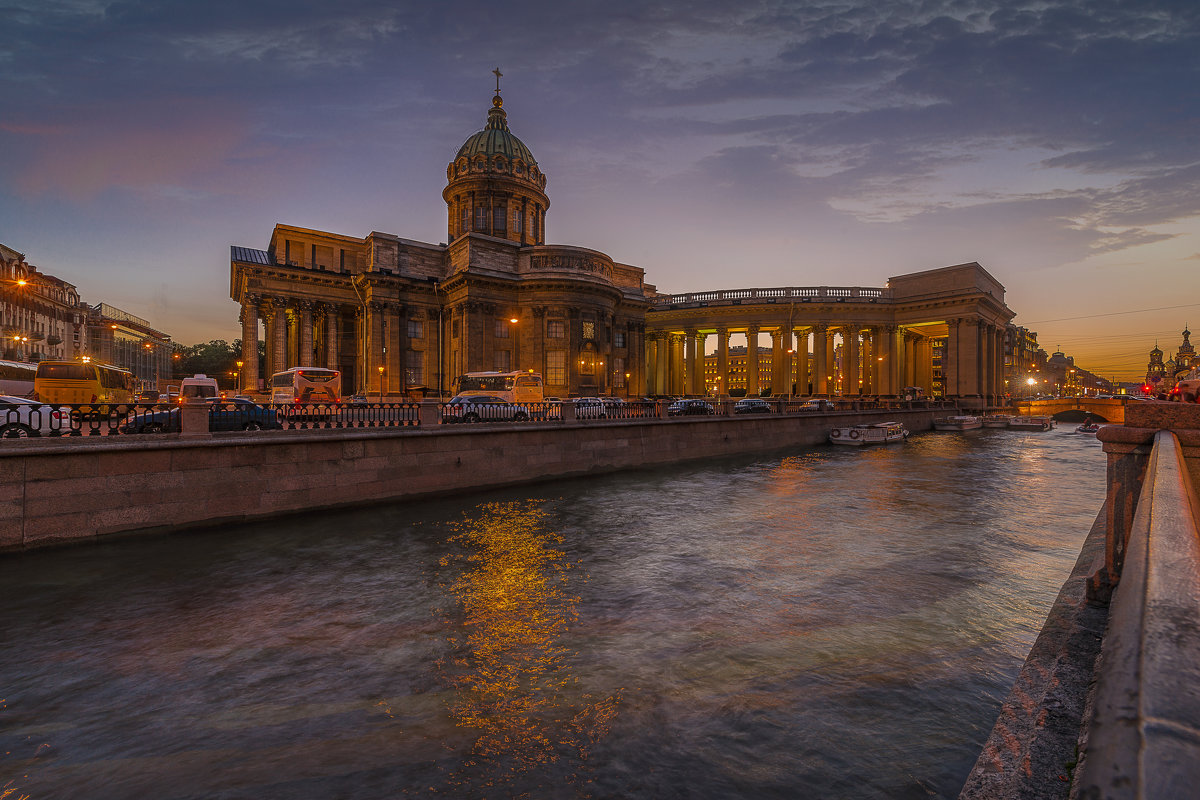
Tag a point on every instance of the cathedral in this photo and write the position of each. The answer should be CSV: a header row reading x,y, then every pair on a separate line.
x,y
394,314
1161,376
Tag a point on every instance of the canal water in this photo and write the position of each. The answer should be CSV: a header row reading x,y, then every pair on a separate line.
x,y
829,623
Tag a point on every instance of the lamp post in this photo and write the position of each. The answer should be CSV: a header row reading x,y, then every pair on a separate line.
x,y
1031,382
380,368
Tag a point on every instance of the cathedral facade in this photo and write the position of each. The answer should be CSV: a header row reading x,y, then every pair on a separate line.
x,y
392,314
1161,376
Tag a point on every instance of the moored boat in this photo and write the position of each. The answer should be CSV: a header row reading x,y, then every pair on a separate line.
x,y
1031,423
962,422
996,420
876,433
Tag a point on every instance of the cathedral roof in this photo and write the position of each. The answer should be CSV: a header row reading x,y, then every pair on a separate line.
x,y
496,139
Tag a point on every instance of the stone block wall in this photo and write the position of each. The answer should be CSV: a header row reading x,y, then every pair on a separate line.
x,y
54,492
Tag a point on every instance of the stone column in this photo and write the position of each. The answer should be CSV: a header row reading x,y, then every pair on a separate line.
x,y
723,362
950,359
897,371
395,341
969,361
663,379
821,359
689,366
801,362
249,318
331,338
675,376
852,364
279,336
779,382
752,365
652,364
304,358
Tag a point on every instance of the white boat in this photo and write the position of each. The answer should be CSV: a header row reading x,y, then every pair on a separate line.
x,y
1031,423
960,423
996,420
877,433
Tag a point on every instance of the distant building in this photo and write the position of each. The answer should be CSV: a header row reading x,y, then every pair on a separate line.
x,y
1065,379
118,337
41,316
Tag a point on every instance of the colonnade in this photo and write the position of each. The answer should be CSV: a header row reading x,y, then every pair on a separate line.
x,y
833,359
300,333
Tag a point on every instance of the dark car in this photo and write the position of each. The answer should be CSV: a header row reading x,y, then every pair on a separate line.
x,y
686,408
223,415
482,408
752,405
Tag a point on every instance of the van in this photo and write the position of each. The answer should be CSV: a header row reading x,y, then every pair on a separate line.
x,y
1188,387
198,387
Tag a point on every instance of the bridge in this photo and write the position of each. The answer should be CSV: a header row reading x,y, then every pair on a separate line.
x,y
1076,408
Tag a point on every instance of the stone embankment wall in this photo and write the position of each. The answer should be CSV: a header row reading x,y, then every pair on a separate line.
x,y
55,492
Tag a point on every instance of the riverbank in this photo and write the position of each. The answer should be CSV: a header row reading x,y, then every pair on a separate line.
x,y
54,492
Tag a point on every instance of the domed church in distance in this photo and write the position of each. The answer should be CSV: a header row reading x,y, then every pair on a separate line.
x,y
393,314
494,297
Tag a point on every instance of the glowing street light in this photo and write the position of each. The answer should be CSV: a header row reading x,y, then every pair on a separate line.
x,y
380,368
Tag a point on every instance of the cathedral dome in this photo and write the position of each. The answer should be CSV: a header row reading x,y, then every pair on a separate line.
x,y
496,139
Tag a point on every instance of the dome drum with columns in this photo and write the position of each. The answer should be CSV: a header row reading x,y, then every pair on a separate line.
x,y
497,297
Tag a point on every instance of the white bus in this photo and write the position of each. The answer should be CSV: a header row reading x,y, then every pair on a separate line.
x,y
306,385
514,387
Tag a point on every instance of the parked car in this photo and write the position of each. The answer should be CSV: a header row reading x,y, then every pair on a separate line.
x,y
684,408
589,408
811,405
21,418
752,405
223,415
481,408
149,396
357,400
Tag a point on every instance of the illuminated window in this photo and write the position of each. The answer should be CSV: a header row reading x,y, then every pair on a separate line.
x,y
618,338
556,367
556,329
618,365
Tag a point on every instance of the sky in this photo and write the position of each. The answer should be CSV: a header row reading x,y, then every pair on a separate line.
x,y
717,145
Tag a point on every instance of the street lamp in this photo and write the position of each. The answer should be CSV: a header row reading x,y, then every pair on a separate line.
x,y
380,368
1031,382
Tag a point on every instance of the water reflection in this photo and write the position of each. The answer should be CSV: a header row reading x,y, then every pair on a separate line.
x,y
514,602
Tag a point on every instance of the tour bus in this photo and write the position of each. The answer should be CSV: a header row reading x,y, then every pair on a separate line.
x,y
514,387
16,378
59,382
306,385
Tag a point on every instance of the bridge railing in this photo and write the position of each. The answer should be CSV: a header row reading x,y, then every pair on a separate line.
x,y
1143,740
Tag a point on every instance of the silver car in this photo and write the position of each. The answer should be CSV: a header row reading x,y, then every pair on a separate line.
x,y
21,418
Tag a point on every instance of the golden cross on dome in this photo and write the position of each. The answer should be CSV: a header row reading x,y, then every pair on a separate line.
x,y
498,75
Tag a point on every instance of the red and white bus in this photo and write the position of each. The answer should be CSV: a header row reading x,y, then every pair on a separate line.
x,y
306,385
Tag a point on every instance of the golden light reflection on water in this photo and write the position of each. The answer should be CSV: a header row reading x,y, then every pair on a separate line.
x,y
508,665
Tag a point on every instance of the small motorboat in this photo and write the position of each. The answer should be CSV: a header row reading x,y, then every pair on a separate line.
x,y
962,422
1088,427
877,433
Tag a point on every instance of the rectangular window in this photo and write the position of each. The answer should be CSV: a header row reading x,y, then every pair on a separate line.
x,y
480,218
499,218
517,220
556,367
502,326
414,368
416,329
618,338
618,365
503,362
454,327
466,219
556,329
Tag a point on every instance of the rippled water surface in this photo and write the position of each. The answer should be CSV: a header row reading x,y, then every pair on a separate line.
x,y
827,623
